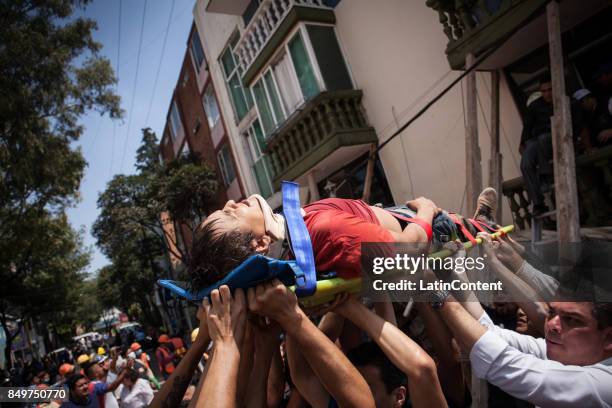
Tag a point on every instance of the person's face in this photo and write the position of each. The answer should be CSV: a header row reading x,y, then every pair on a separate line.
x,y
98,371
588,103
106,365
546,90
572,335
524,325
127,382
382,398
245,216
81,388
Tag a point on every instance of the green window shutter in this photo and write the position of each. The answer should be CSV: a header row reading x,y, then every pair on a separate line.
x,y
303,68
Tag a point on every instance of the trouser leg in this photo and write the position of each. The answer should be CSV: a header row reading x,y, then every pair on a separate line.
x,y
529,168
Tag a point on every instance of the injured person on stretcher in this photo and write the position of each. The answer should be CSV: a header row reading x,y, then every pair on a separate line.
x,y
337,228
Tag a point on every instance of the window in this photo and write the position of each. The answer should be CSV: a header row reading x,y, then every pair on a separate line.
x,y
175,120
210,106
241,100
268,102
185,150
303,67
329,57
259,161
226,165
197,52
288,85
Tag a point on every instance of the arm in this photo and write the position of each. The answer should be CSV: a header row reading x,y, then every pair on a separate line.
x,y
336,373
449,367
405,354
113,386
174,388
426,211
226,324
267,342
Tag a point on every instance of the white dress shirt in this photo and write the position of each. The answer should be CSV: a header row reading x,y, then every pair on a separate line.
x,y
139,396
518,365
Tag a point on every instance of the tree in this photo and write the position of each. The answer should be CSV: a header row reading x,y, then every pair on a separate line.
x,y
50,74
39,284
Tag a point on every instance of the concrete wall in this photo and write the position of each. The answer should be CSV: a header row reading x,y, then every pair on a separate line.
x,y
395,51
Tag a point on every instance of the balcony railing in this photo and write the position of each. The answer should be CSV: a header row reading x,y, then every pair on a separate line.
x,y
272,21
474,25
326,123
594,172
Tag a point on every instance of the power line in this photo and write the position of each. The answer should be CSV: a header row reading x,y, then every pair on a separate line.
x,y
110,170
130,112
161,58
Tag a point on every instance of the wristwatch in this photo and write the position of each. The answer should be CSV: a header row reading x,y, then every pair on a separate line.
x,y
437,298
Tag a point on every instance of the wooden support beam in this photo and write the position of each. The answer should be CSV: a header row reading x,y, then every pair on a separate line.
x,y
566,195
495,160
367,184
473,175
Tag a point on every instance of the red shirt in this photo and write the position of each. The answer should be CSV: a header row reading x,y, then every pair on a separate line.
x,y
337,227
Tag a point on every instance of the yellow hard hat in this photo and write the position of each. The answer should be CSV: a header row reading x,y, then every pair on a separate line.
x,y
194,334
82,359
101,351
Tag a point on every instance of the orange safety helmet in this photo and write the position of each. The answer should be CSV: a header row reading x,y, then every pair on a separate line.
x,y
66,369
163,338
135,347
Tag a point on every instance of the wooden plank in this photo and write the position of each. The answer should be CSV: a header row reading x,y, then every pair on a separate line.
x,y
312,187
367,185
495,160
473,175
568,224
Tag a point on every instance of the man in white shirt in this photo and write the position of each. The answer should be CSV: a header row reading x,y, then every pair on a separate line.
x,y
136,392
571,367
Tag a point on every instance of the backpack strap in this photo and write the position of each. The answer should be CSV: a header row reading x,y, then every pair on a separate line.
x,y
421,223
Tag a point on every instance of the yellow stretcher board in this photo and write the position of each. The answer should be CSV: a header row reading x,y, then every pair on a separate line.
x,y
328,289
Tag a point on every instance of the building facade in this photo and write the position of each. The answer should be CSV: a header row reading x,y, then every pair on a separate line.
x,y
308,86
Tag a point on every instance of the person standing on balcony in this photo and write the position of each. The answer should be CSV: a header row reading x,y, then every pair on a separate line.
x,y
536,146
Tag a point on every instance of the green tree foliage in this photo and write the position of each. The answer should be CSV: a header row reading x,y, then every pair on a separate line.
x,y
51,73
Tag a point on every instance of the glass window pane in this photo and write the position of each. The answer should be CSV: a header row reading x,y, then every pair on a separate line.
x,y
238,97
276,106
262,177
196,50
210,107
303,69
175,120
259,136
227,60
229,164
262,105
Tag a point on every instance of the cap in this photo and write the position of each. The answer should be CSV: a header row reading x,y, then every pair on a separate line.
x,y
194,334
66,369
101,351
135,346
82,359
163,338
581,93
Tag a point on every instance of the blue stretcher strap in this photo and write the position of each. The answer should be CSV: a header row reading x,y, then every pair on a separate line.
x,y
306,284
254,270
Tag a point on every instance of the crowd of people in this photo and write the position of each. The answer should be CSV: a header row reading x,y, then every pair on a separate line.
x,y
95,374
591,111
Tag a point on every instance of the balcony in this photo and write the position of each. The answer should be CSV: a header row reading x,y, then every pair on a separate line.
x,y
327,124
271,23
594,173
473,26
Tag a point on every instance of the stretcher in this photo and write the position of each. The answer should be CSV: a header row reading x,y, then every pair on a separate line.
x,y
299,274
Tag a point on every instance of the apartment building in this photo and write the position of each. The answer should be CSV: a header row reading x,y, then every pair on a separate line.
x,y
307,86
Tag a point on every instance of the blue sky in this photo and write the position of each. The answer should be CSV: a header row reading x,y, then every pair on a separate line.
x,y
97,140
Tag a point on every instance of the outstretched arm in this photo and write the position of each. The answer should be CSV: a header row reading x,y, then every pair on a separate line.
x,y
404,353
174,388
336,373
226,324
